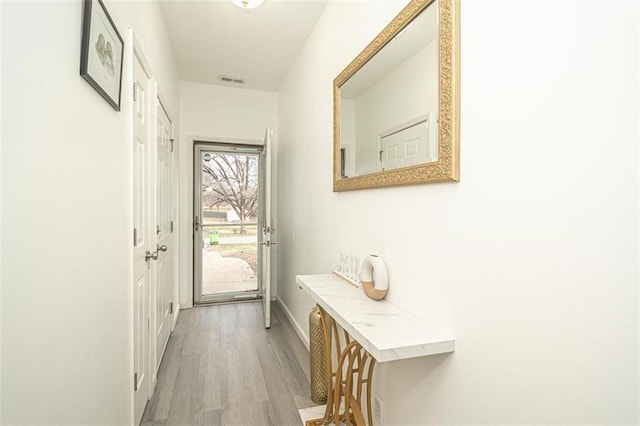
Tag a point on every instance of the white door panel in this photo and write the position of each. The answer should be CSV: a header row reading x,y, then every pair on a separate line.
x,y
164,230
267,231
142,238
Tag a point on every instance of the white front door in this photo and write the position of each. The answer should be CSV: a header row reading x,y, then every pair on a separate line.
x,y
142,237
227,221
267,231
232,222
163,230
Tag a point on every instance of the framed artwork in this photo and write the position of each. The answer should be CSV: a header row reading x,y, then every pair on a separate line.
x,y
102,52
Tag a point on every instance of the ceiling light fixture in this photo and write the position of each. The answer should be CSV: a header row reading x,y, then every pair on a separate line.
x,y
247,4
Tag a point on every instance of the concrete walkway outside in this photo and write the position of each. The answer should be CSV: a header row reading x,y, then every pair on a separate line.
x,y
226,274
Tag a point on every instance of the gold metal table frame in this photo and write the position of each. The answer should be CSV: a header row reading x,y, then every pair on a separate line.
x,y
349,383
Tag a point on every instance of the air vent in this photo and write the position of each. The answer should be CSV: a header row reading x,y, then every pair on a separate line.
x,y
231,79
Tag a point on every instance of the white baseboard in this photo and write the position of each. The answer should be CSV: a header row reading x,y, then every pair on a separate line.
x,y
176,314
296,326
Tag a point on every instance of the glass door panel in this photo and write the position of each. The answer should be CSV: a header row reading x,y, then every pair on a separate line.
x,y
229,258
227,209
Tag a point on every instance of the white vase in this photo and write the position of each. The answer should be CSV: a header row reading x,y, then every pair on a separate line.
x,y
375,278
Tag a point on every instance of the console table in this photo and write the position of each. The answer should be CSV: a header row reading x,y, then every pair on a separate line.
x,y
372,331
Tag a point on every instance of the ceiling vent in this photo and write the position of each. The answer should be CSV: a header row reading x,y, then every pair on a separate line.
x,y
234,80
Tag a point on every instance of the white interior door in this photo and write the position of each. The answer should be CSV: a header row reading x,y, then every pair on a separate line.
x,y
267,231
164,229
142,237
407,145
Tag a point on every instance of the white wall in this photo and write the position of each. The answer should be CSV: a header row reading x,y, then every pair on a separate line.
x,y
212,113
1,219
66,195
531,260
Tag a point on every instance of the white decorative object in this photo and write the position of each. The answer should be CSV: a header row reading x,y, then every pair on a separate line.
x,y
348,268
375,278
355,267
346,278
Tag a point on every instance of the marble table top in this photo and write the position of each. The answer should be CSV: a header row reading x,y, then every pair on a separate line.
x,y
384,330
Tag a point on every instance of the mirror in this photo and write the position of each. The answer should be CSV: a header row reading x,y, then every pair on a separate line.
x,y
396,104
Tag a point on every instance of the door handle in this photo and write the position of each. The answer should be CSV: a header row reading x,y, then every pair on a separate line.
x,y
161,247
148,255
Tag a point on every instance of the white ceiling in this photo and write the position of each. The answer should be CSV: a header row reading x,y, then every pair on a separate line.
x,y
213,37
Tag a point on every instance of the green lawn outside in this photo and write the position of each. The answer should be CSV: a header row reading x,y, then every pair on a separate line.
x,y
234,230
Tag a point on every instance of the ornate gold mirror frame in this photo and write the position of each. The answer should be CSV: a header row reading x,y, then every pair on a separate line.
x,y
447,167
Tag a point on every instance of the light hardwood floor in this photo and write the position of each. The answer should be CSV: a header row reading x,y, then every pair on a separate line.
x,y
222,367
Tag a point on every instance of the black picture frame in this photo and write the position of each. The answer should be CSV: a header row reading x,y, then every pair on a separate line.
x,y
102,52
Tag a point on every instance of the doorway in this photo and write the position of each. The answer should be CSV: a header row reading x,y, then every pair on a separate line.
x,y
228,199
154,241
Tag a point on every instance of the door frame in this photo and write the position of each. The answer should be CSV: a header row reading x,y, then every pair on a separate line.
x,y
186,255
134,53
155,97
160,102
175,188
226,147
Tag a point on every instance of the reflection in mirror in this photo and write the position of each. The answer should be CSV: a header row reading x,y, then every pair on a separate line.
x,y
389,108
396,105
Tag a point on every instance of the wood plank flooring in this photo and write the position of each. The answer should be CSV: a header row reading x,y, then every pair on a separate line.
x,y
222,367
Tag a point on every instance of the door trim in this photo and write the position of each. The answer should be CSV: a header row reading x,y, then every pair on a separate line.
x,y
134,53
186,255
221,146
155,284
176,213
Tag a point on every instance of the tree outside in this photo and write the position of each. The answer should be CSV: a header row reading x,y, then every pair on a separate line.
x,y
231,180
230,203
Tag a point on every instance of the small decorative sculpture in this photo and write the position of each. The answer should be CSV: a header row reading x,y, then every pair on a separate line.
x,y
375,278
348,268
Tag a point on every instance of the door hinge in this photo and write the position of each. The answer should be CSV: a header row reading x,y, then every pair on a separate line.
x,y
171,307
135,382
135,237
171,140
135,92
158,229
171,226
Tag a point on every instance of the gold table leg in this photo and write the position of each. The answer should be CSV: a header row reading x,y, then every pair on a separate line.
x,y
353,372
